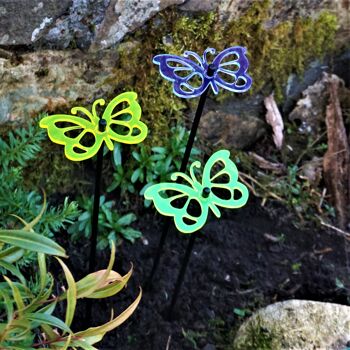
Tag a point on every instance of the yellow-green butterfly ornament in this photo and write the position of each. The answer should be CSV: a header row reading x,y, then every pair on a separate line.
x,y
102,129
206,194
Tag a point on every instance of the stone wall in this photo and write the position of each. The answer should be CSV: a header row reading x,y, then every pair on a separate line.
x,y
55,54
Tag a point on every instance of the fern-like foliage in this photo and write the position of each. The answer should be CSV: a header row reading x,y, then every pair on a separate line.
x,y
17,149
21,146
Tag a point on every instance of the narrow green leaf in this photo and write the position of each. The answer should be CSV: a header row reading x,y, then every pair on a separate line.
x,y
48,331
16,295
90,333
11,254
71,293
117,155
93,281
19,330
112,287
135,175
127,219
31,241
160,150
136,156
8,304
76,344
13,269
42,271
48,319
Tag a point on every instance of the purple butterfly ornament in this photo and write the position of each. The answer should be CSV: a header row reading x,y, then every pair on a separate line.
x,y
224,71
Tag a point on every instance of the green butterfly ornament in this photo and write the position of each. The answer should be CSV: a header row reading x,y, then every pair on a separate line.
x,y
216,190
120,122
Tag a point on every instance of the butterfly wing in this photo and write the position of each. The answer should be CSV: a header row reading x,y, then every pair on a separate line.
x,y
184,222
60,127
224,182
134,130
232,69
170,66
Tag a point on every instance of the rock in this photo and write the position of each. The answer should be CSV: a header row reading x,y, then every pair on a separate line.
x,y
48,80
21,21
297,84
296,325
281,10
123,17
75,28
230,130
200,5
310,109
103,23
234,124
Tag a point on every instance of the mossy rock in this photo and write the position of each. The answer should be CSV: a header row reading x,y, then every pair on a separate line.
x,y
296,325
274,53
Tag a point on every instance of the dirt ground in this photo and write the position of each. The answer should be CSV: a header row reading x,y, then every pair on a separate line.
x,y
252,257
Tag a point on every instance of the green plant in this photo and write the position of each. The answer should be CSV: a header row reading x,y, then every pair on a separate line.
x,y
192,337
17,150
111,225
27,319
151,165
241,312
121,175
296,267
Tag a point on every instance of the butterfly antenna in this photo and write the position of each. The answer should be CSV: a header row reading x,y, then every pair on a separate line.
x,y
175,176
83,110
205,53
195,164
100,102
198,58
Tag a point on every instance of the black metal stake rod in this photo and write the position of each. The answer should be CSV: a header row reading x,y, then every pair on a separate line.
x,y
95,212
210,72
184,264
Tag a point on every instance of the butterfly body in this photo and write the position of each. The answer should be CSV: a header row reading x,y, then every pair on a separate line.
x,y
75,149
231,75
203,193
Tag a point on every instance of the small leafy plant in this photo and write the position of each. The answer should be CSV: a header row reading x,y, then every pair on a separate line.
x,y
17,150
111,225
151,164
27,319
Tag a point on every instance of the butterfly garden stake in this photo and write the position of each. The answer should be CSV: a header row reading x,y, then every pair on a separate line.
x,y
192,75
218,189
85,136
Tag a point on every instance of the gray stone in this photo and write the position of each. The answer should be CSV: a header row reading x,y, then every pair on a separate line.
x,y
76,28
124,16
200,5
297,84
52,80
234,123
101,24
296,325
310,109
22,21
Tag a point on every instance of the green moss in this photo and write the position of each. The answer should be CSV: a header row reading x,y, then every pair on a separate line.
x,y
256,336
54,172
274,53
